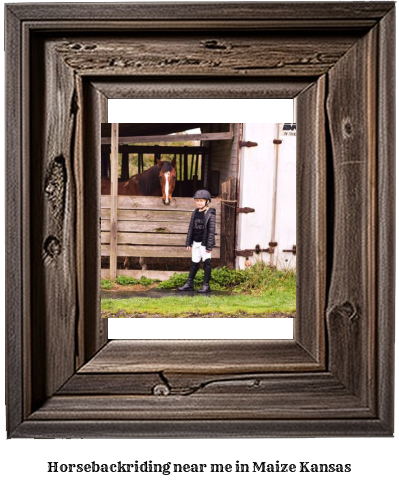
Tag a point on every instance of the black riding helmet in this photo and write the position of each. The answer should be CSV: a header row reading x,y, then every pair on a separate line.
x,y
203,194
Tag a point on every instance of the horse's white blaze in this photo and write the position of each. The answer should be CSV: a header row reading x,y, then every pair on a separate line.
x,y
167,174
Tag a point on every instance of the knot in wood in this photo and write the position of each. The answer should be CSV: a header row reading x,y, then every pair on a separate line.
x,y
213,44
54,186
348,310
50,188
90,47
52,246
161,390
347,128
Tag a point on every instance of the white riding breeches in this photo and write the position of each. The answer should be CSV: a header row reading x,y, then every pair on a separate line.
x,y
199,252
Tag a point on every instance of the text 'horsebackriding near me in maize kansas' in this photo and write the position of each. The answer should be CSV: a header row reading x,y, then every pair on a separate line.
x,y
159,180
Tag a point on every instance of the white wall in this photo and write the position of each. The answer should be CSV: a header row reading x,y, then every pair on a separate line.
x,y
258,184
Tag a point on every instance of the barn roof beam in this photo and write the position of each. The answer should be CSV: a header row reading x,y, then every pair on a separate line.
x,y
144,129
171,138
150,149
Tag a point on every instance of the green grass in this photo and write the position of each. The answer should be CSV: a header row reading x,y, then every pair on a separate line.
x,y
172,306
258,291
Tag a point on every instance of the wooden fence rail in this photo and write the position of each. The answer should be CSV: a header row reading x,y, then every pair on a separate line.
x,y
145,227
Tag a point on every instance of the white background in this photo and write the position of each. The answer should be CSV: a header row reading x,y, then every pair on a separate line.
x,y
226,111
172,111
374,461
201,329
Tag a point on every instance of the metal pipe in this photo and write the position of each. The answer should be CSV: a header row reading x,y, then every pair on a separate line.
x,y
277,141
239,135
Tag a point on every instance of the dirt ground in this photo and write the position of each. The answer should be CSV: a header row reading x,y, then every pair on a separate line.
x,y
131,287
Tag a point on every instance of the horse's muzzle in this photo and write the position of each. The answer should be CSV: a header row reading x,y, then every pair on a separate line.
x,y
166,203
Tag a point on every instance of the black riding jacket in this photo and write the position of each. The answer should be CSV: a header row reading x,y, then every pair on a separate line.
x,y
208,237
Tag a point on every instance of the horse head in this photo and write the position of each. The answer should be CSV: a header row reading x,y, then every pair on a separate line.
x,y
167,178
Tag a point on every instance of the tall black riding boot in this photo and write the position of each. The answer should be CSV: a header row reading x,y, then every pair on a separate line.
x,y
189,286
207,277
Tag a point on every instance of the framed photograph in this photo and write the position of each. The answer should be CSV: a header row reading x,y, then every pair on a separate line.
x,y
149,271
65,379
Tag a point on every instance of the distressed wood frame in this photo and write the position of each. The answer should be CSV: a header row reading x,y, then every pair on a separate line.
x,y
336,376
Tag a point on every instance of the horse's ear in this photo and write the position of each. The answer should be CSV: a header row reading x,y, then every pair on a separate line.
x,y
158,160
173,162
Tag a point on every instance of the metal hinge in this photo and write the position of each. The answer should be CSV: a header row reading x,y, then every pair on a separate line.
x,y
245,210
243,143
257,250
293,250
244,253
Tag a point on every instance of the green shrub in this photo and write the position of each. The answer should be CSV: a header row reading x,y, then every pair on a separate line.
x,y
228,278
127,281
262,277
146,281
106,284
258,278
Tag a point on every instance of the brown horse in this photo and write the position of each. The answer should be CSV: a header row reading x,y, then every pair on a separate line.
x,y
159,180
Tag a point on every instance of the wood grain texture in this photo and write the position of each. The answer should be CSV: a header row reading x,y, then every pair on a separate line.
x,y
170,138
192,428
138,87
136,384
143,226
359,14
16,321
53,210
149,149
385,244
114,201
236,56
212,398
78,176
94,329
205,356
141,215
352,121
204,407
350,66
163,237
155,203
311,218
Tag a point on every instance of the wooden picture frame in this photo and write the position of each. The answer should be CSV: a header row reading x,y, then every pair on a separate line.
x,y
336,377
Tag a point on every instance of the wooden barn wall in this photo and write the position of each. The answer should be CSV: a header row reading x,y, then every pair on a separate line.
x,y
224,153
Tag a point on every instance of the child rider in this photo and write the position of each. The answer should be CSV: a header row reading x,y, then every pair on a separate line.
x,y
201,239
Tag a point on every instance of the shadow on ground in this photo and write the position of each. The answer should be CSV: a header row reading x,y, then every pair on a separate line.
x,y
155,293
